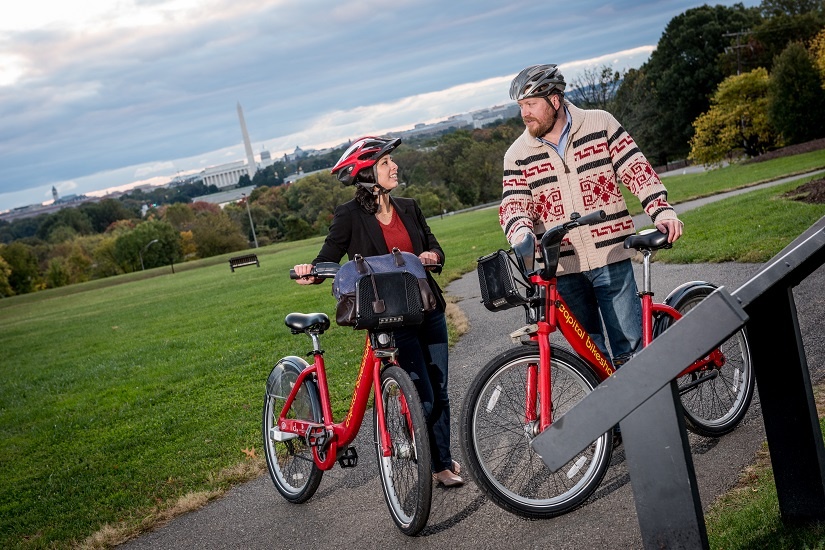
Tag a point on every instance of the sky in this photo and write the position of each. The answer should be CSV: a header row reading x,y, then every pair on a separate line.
x,y
107,94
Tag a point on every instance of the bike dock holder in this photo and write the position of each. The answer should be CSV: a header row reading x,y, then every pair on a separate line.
x,y
643,396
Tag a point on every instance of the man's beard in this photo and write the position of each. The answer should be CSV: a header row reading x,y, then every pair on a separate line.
x,y
543,129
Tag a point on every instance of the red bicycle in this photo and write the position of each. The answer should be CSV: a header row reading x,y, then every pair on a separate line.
x,y
519,393
301,440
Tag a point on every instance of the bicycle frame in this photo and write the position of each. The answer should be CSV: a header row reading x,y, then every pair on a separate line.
x,y
326,439
557,316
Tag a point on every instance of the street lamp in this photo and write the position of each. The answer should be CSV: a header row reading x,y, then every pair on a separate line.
x,y
150,243
252,225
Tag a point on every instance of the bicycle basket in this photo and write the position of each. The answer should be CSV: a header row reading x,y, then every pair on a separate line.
x,y
388,300
500,290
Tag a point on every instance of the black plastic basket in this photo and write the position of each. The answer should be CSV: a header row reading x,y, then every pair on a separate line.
x,y
500,289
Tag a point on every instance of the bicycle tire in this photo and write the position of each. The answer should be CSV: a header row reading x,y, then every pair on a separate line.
x,y
496,440
406,474
715,407
290,462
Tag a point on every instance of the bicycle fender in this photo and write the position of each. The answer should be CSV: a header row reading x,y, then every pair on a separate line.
x,y
273,382
675,299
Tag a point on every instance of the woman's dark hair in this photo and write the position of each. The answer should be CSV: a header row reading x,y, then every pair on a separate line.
x,y
366,199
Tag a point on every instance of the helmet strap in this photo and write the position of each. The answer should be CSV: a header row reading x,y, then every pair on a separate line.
x,y
378,193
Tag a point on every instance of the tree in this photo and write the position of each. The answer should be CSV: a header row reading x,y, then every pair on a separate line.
x,y
595,88
434,199
215,233
130,247
106,212
817,49
5,272
737,120
64,224
774,8
314,199
775,33
797,101
105,262
25,273
180,215
683,72
70,262
635,108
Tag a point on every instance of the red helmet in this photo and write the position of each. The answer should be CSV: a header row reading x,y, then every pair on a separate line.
x,y
362,154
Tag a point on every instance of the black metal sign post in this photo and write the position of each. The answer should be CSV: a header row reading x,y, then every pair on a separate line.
x,y
783,378
667,500
642,396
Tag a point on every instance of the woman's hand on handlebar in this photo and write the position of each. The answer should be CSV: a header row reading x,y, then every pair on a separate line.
x,y
303,274
428,257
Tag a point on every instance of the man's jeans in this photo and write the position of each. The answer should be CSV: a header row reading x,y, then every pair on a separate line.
x,y
611,290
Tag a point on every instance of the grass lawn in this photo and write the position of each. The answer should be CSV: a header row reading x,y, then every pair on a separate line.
x,y
123,395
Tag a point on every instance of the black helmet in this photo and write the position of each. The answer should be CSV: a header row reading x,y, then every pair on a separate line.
x,y
362,154
537,81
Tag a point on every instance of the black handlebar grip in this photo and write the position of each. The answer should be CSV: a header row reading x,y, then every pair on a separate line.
x,y
594,217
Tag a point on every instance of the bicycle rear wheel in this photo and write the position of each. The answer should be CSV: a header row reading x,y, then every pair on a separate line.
x,y
406,474
715,400
496,438
289,456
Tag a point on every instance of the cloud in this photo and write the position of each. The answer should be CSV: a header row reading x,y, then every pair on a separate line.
x,y
115,86
155,168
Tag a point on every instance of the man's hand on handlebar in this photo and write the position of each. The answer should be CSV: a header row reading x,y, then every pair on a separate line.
x,y
673,228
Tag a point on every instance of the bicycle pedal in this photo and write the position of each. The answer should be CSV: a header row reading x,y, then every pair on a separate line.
x,y
349,458
522,332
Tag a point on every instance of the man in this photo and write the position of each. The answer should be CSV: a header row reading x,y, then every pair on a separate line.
x,y
572,160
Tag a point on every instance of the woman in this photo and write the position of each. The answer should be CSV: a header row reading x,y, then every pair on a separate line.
x,y
372,224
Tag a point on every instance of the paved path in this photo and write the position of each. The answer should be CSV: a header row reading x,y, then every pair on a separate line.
x,y
349,512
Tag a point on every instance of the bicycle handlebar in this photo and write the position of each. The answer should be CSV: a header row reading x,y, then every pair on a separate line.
x,y
321,270
550,241
328,270
594,217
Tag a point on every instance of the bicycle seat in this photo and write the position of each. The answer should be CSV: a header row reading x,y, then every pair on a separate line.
x,y
301,322
649,239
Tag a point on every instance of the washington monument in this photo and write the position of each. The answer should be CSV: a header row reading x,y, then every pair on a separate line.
x,y
250,158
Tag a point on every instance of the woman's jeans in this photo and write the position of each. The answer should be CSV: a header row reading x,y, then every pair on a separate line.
x,y
423,352
612,291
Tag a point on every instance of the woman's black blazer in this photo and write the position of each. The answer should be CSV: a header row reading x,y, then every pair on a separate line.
x,y
355,231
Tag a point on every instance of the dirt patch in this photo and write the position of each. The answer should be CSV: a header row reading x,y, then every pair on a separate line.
x,y
807,147
813,192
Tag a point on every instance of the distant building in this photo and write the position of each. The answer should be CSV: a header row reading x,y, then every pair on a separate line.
x,y
292,178
298,154
225,197
494,114
225,175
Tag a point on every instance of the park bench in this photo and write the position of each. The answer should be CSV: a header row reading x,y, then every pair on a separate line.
x,y
241,261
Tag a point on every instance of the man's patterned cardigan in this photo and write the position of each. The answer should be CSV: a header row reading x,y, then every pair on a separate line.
x,y
541,189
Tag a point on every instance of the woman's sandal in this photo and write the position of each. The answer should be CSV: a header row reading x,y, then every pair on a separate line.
x,y
450,477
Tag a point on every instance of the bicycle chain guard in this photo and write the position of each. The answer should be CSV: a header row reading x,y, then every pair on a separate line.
x,y
318,436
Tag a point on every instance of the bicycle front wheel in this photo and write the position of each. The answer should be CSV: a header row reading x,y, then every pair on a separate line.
x,y
495,436
716,399
289,456
406,471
